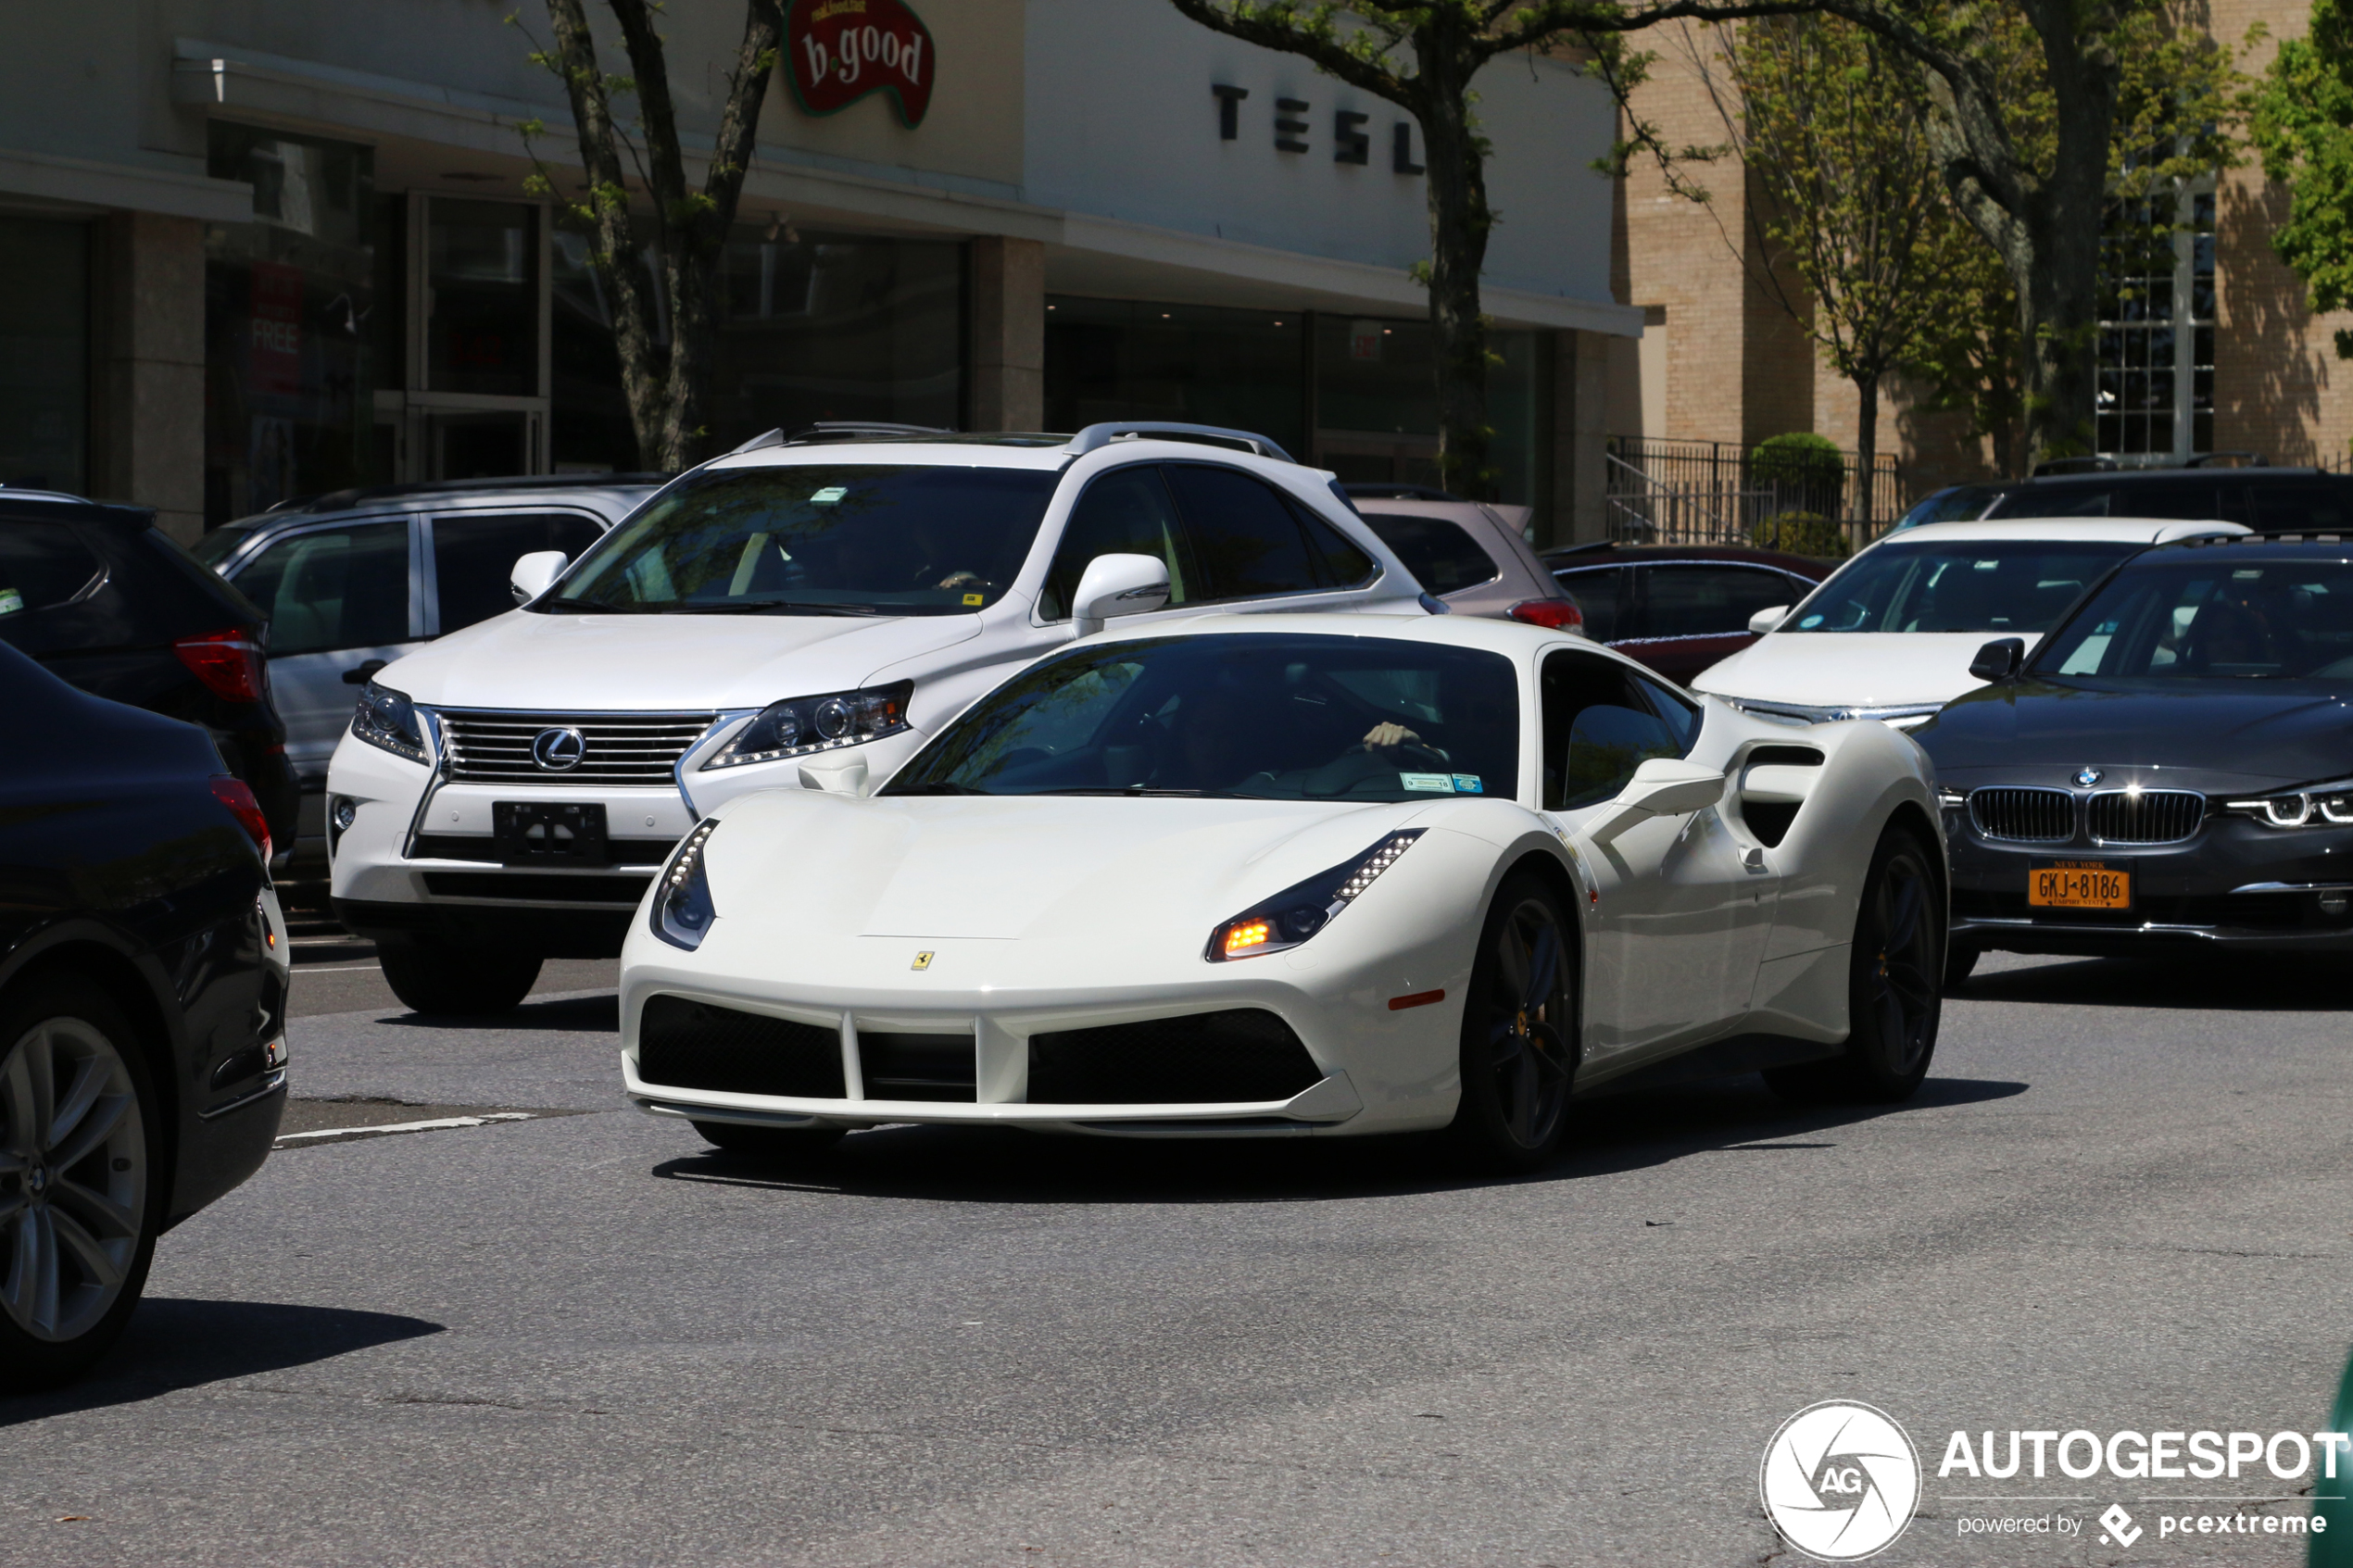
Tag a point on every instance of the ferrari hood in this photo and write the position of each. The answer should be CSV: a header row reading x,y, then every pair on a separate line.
x,y
2213,734
802,863
1859,670
663,662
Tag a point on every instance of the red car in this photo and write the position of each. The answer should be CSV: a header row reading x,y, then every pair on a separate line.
x,y
1679,608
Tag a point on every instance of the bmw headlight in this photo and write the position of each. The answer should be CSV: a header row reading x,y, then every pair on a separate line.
x,y
1298,911
800,725
387,717
683,910
2318,806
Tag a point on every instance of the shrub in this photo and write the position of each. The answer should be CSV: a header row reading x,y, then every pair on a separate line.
x,y
1806,472
1802,533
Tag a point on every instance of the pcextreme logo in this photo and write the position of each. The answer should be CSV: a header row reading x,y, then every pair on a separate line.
x,y
1840,1481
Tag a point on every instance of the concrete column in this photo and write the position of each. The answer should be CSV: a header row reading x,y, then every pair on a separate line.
x,y
147,395
1008,353
1580,388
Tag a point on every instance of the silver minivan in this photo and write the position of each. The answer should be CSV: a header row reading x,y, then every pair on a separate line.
x,y
355,579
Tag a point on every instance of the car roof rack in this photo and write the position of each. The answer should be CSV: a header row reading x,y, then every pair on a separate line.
x,y
839,430
1094,437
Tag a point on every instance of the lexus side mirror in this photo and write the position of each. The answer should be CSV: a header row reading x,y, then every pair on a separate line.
x,y
1664,787
534,573
1999,660
1117,585
1765,619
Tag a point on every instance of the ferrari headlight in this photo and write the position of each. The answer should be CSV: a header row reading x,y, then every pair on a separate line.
x,y
1298,911
797,726
387,719
683,910
2329,805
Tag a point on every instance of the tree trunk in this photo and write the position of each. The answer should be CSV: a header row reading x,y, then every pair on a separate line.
x,y
1867,449
1460,220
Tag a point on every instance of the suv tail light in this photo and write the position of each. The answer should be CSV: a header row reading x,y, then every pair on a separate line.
x,y
1561,615
238,797
228,662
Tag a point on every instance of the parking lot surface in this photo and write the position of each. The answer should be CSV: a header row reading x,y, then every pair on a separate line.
x,y
576,1336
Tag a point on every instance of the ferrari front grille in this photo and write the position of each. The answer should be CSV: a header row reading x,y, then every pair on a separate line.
x,y
2024,816
2146,816
1231,1057
615,749
691,1045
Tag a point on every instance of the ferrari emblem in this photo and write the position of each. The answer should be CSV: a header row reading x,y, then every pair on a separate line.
x,y
923,961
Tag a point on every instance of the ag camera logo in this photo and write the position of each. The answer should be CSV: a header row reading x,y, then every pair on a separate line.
x,y
1840,1481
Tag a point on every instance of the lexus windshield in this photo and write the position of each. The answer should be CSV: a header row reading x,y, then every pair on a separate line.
x,y
2016,587
2213,614
818,539
1261,716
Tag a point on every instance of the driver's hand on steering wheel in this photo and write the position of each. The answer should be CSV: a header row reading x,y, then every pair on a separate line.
x,y
961,580
1389,733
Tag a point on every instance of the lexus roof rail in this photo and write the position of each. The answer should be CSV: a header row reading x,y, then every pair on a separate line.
x,y
1097,437
839,430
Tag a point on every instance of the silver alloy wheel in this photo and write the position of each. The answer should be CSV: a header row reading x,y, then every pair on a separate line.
x,y
73,1178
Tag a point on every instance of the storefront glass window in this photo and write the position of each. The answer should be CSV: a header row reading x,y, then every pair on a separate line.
x,y
44,354
289,297
1376,404
1118,360
482,333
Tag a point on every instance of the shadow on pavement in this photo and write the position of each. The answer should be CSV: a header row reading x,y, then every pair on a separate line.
x,y
174,1344
563,1015
2193,978
1006,1165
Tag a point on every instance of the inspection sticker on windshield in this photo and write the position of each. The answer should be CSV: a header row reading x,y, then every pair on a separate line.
x,y
828,496
976,598
1467,784
1437,784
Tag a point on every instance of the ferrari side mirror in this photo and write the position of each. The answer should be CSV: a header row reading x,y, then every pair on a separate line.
x,y
1767,619
1999,660
1664,787
1117,585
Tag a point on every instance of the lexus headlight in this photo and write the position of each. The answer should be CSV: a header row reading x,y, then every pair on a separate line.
x,y
1298,911
800,725
683,910
387,717
2321,805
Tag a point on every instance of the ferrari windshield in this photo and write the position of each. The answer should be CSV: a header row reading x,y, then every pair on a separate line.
x,y
1267,716
818,538
2216,614
2014,586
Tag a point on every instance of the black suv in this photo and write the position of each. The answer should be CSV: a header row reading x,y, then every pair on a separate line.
x,y
103,599
2266,500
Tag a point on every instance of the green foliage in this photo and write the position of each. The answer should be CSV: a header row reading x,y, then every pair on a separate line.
x,y
2301,120
1802,533
1800,457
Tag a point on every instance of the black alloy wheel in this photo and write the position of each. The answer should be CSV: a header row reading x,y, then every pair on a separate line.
x,y
443,978
1519,1031
769,1146
1894,994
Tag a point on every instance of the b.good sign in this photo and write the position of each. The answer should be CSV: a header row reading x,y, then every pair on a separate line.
x,y
837,51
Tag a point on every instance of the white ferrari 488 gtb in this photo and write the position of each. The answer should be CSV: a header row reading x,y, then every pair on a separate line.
x,y
1259,875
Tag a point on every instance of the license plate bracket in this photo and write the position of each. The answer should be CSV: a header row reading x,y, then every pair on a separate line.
x,y
536,832
2079,885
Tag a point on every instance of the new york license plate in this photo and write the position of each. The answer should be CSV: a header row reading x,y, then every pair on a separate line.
x,y
2079,885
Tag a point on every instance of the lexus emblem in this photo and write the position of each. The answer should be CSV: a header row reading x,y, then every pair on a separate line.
x,y
558,750
2086,777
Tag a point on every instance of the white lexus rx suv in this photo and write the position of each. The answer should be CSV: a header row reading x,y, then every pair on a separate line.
x,y
801,613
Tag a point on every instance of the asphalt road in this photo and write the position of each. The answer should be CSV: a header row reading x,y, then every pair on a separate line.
x,y
2120,1203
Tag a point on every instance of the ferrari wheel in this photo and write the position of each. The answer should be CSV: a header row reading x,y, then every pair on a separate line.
x,y
774,1146
1894,986
78,1197
1519,1031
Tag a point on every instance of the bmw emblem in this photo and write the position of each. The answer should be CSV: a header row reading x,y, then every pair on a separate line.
x,y
2085,777
558,750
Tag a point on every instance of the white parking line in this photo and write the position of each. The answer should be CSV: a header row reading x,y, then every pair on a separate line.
x,y
323,1134
339,969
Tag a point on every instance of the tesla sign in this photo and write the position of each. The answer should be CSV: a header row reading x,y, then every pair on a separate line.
x,y
838,51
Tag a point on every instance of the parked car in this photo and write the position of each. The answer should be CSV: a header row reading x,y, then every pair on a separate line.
x,y
2173,768
143,1003
1302,874
2260,495
1471,556
103,599
1678,608
353,579
803,613
1893,633
1954,503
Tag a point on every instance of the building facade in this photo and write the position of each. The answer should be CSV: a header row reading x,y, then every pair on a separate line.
x,y
2207,345
264,251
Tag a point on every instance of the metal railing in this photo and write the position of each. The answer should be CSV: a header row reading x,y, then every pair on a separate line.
x,y
1713,492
